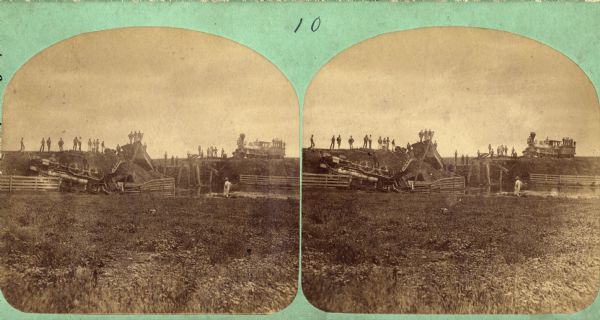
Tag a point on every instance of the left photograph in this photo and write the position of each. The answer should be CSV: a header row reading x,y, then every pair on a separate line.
x,y
149,170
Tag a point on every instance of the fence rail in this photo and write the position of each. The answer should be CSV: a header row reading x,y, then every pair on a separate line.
x,y
28,183
273,181
313,180
449,185
564,179
164,186
444,185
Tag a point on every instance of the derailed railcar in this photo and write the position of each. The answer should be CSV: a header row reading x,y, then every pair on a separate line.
x,y
72,176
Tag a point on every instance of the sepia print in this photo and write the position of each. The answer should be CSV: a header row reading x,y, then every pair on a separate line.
x,y
149,170
451,170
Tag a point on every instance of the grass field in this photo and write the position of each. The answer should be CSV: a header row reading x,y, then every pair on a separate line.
x,y
397,253
99,254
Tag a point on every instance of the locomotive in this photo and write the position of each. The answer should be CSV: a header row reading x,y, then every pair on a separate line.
x,y
274,149
548,148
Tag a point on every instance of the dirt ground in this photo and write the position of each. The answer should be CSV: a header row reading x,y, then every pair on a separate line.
x,y
398,253
111,254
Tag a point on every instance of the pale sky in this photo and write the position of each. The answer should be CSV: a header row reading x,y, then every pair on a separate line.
x,y
473,87
181,88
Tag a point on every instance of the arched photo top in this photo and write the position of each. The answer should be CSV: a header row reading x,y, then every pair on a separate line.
x,y
189,88
152,150
473,86
454,188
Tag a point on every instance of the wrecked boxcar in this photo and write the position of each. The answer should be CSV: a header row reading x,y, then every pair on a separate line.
x,y
398,170
105,172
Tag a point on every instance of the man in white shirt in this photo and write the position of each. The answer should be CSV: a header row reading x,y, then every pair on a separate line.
x,y
518,185
226,188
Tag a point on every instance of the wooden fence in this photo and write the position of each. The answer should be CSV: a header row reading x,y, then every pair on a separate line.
x,y
449,185
28,183
164,186
564,179
313,180
271,181
444,185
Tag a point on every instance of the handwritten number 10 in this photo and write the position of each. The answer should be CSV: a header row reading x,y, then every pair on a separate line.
x,y
313,27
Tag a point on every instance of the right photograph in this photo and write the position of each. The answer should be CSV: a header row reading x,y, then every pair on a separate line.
x,y
451,170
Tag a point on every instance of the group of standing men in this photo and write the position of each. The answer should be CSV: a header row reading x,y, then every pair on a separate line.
x,y
383,143
211,152
95,145
76,144
426,134
501,151
463,159
46,145
333,141
367,141
135,136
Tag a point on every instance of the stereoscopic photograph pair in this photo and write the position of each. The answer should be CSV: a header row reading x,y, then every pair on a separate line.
x,y
435,170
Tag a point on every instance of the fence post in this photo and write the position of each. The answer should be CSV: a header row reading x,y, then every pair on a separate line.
x,y
500,180
197,172
469,168
190,182
179,175
10,183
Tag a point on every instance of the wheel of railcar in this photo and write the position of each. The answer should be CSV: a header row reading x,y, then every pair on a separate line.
x,y
92,188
